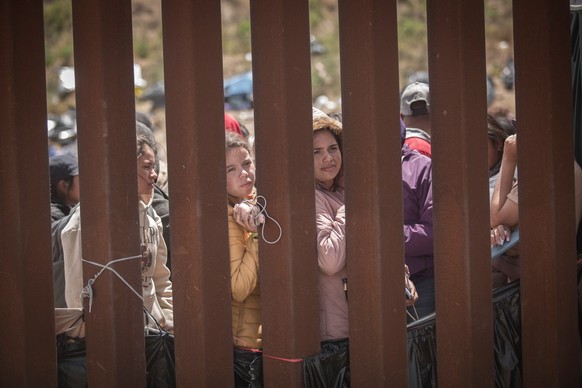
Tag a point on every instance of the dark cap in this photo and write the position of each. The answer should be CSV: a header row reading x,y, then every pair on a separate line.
x,y
62,167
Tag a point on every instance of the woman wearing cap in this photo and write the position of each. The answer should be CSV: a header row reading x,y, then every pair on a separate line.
x,y
64,174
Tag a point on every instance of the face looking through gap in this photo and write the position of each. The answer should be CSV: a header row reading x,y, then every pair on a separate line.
x,y
327,157
240,172
146,175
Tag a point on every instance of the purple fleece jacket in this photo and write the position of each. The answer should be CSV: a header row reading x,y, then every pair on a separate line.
x,y
417,198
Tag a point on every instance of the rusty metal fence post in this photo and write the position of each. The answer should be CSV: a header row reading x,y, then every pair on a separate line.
x,y
370,104
546,195
196,171
456,45
28,356
283,126
108,182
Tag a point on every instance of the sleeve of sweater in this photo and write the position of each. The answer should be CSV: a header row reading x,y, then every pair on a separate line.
x,y
331,231
501,211
418,235
161,276
244,260
72,254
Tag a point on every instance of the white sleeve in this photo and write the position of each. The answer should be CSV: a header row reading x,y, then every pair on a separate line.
x,y
72,254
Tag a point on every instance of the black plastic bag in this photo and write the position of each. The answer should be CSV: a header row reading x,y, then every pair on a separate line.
x,y
248,368
421,352
507,335
330,368
422,358
72,362
160,366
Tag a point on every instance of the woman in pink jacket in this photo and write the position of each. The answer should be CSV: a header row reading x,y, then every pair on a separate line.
x,y
331,229
331,222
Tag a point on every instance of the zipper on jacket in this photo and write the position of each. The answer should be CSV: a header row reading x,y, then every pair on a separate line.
x,y
345,281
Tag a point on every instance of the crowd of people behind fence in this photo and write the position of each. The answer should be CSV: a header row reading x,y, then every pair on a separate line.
x,y
246,217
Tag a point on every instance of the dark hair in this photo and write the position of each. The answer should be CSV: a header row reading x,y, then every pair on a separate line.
x,y
245,132
54,191
144,119
144,136
234,141
504,118
495,130
508,124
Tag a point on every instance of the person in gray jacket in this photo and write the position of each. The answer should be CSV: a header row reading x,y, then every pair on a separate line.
x,y
156,284
64,175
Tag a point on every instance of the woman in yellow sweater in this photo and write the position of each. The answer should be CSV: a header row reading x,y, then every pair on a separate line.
x,y
243,219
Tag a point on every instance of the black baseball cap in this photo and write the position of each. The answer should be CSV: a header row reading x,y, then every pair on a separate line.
x,y
62,167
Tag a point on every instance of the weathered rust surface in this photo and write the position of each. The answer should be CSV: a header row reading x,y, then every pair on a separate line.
x,y
370,105
283,127
196,171
108,182
28,356
546,196
456,46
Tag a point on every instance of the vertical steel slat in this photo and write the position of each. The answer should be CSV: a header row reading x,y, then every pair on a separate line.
x,y
108,182
375,254
546,195
28,356
284,144
197,181
456,46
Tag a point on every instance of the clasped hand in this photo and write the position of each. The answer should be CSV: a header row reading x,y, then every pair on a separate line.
x,y
248,216
410,286
500,235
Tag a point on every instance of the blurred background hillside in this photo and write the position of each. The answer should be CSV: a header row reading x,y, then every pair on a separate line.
x,y
148,50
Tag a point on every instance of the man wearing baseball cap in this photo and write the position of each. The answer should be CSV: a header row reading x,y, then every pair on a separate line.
x,y
415,112
64,172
